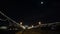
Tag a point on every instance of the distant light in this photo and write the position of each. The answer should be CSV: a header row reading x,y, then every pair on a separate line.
x,y
29,27
3,27
42,2
24,27
39,23
32,26
20,22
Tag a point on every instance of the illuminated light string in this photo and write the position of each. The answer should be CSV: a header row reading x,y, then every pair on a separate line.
x,y
26,26
40,25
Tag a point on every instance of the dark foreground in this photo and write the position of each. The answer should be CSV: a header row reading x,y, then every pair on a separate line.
x,y
30,32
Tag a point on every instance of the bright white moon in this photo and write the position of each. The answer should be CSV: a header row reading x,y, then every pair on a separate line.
x,y
42,2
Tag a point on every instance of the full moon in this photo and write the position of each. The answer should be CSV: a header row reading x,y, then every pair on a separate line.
x,y
42,2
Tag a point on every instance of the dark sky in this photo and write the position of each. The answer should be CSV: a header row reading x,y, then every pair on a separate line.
x,y
31,10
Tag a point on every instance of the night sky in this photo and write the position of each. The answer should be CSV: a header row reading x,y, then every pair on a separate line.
x,y
31,11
